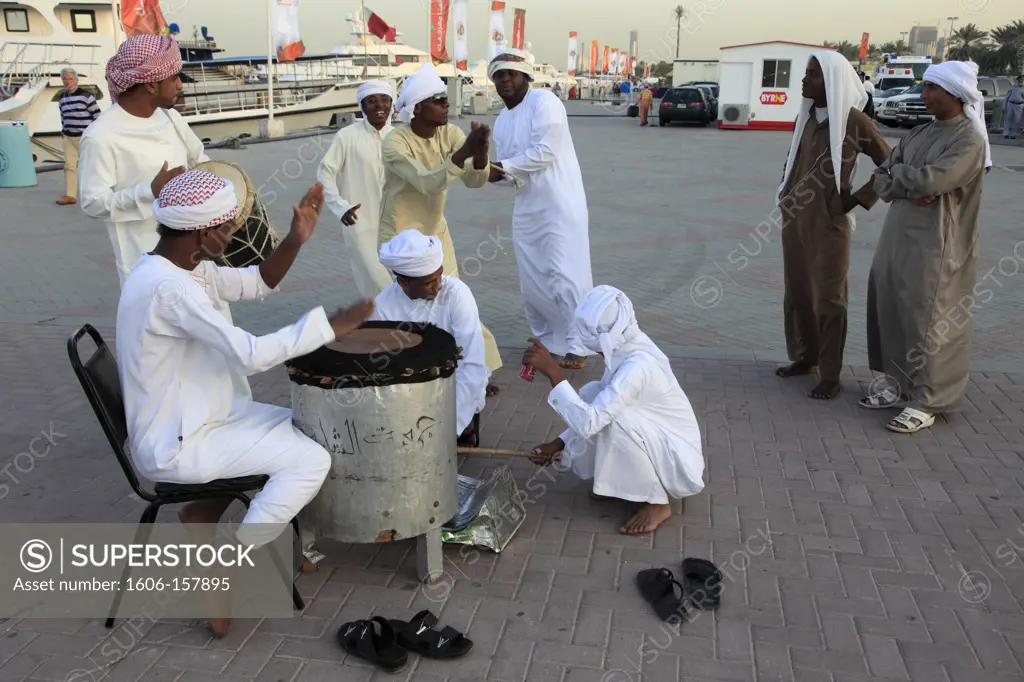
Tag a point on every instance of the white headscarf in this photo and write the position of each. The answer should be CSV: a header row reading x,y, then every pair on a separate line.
x,y
511,59
960,79
375,87
194,200
843,91
607,325
413,254
422,85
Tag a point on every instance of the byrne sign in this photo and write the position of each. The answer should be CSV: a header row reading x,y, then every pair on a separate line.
x,y
773,98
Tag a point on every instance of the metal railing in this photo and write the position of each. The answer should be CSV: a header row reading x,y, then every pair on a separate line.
x,y
24,63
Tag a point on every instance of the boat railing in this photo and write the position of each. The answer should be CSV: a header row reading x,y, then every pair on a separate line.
x,y
24,63
200,103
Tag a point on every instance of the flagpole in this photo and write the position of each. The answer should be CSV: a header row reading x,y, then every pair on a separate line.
x,y
270,57
365,38
117,25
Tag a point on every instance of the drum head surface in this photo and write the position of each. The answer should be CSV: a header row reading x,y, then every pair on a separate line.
x,y
234,174
379,354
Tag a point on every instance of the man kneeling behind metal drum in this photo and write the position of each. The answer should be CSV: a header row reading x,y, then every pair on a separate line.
x,y
178,355
422,294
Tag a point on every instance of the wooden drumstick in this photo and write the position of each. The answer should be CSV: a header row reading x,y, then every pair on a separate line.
x,y
493,451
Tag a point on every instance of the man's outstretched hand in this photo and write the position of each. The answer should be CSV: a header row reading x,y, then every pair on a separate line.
x,y
307,213
163,177
350,216
345,320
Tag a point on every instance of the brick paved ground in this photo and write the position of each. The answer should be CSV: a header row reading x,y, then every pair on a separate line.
x,y
850,554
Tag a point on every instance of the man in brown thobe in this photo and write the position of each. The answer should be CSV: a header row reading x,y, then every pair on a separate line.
x,y
921,290
831,131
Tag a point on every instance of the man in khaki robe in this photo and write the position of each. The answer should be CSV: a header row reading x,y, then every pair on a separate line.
x,y
816,203
921,286
423,157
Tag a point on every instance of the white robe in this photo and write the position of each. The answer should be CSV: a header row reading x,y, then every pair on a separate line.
x,y
550,223
177,357
352,172
120,154
634,433
454,310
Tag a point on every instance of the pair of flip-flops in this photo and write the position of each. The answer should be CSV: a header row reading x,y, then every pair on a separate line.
x,y
387,643
700,589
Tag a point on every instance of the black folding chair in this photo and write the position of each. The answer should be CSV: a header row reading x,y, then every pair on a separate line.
x,y
102,385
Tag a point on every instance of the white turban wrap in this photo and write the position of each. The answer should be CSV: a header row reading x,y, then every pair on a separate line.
x,y
607,325
194,200
843,91
422,85
960,79
413,254
511,59
375,87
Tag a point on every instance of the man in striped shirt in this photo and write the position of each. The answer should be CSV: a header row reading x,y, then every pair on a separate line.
x,y
78,109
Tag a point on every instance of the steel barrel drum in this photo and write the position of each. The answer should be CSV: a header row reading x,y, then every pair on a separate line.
x,y
254,237
382,403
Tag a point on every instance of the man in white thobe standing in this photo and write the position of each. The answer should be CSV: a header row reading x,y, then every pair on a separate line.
x,y
633,432
176,356
550,223
139,143
423,294
354,159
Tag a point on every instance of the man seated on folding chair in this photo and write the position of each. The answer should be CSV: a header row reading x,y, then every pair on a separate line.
x,y
176,356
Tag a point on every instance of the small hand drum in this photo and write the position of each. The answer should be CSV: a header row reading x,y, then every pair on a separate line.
x,y
254,237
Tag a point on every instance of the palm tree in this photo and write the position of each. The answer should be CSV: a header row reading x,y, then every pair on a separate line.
x,y
967,42
899,47
848,49
679,13
1009,53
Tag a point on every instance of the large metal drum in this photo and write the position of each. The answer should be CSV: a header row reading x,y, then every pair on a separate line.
x,y
382,402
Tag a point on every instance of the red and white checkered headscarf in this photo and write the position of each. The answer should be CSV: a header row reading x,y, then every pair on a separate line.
x,y
195,200
142,59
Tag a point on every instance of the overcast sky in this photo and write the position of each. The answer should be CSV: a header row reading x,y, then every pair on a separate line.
x,y
713,23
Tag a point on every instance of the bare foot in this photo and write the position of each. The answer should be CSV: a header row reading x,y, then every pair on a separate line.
x,y
492,389
66,200
647,519
204,511
571,361
826,390
220,627
798,368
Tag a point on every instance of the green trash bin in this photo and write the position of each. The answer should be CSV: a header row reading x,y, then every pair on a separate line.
x,y
17,167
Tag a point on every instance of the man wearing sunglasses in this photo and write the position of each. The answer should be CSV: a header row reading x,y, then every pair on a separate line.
x,y
422,157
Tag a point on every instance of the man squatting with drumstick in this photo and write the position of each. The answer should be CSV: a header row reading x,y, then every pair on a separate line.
x,y
177,354
424,294
633,432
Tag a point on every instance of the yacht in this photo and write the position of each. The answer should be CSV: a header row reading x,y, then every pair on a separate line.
x,y
223,97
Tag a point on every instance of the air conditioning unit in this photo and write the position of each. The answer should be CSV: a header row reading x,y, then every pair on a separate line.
x,y
736,114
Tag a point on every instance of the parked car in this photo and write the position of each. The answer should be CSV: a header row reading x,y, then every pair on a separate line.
x,y
993,88
886,111
686,103
911,112
711,84
712,96
889,82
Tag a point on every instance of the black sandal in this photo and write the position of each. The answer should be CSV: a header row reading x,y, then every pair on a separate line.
x,y
657,585
361,639
419,637
703,584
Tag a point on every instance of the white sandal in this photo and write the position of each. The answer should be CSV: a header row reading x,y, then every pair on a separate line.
x,y
883,400
910,421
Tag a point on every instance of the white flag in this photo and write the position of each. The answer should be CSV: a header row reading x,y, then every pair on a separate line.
x,y
572,53
461,43
285,19
497,39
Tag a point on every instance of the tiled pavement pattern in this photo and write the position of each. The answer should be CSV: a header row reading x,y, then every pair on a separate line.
x,y
851,553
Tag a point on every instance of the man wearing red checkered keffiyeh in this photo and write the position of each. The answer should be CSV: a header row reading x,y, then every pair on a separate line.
x,y
136,146
179,362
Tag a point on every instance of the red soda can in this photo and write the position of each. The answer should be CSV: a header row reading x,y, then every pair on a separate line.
x,y
527,372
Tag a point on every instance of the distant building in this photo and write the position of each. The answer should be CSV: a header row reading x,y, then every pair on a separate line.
x,y
940,48
923,40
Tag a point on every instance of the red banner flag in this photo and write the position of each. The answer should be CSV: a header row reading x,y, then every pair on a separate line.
x,y
379,27
439,10
604,61
864,46
519,29
142,17
593,57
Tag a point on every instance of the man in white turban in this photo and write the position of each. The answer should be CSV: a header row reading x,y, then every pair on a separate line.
x,y
423,294
816,206
355,159
422,157
633,432
551,223
135,146
177,354
921,285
